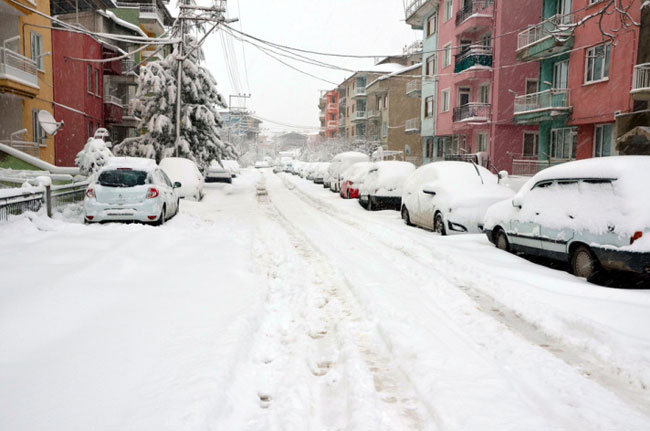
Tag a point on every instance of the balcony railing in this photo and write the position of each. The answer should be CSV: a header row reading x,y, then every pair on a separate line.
x,y
112,99
342,100
360,115
529,165
374,114
412,125
555,26
414,48
127,65
413,7
147,10
472,111
332,106
641,78
18,68
359,92
414,88
474,8
556,98
332,124
474,56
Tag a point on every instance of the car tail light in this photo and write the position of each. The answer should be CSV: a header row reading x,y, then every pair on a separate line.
x,y
637,235
90,217
90,193
152,193
152,217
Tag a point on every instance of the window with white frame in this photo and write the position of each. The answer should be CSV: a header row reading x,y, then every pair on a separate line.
x,y
428,107
444,103
531,144
36,43
384,131
38,134
561,74
564,142
431,65
484,93
446,55
603,140
432,24
449,8
481,142
597,63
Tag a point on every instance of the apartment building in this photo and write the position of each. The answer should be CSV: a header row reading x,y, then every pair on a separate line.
x,y
328,104
584,80
393,115
25,80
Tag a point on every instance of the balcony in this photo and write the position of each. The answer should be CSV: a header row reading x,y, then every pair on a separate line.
x,y
332,106
551,36
322,102
641,83
359,92
474,56
112,67
412,126
414,88
342,100
374,115
477,112
416,10
113,109
413,49
542,106
475,9
18,74
332,125
360,116
128,65
152,18
321,115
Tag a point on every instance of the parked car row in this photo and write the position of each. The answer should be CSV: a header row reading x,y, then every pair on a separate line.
x,y
593,214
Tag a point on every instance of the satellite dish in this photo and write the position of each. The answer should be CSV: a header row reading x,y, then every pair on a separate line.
x,y
48,123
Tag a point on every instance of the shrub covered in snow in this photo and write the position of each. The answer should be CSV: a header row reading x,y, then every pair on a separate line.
x,y
94,155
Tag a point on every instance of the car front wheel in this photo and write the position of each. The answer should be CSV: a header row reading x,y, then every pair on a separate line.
x,y
439,225
584,263
406,217
502,241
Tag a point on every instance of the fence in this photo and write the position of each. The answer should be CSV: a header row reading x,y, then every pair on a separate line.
x,y
17,202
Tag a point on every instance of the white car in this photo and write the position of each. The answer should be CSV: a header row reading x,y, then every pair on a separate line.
x,y
218,174
232,166
321,173
131,189
187,173
340,163
451,197
593,214
382,188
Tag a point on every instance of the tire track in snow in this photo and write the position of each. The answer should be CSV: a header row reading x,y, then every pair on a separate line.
x,y
465,278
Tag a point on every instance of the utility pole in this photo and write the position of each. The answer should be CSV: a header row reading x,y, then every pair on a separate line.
x,y
213,14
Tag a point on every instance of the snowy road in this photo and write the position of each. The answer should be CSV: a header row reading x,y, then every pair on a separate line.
x,y
298,310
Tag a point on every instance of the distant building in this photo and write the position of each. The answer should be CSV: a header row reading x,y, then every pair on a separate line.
x,y
290,141
328,104
240,124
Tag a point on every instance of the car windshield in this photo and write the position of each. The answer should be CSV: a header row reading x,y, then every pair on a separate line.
x,y
122,178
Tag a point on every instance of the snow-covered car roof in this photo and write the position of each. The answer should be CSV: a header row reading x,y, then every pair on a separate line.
x,y
357,171
389,174
348,155
130,162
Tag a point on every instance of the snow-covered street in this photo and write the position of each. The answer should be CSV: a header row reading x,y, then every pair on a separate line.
x,y
297,310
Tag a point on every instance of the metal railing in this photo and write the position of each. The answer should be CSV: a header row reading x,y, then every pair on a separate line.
x,y
414,87
332,124
145,8
332,106
414,48
53,197
342,100
473,111
557,25
471,8
20,202
360,115
374,114
412,125
127,65
555,98
18,68
475,55
28,147
641,77
113,99
360,91
413,7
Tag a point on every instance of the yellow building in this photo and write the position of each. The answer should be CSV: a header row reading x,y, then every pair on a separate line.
x,y
26,84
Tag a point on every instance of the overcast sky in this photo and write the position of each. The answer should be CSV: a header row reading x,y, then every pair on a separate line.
x,y
341,26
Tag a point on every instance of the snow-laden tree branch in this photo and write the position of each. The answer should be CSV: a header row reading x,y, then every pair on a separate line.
x,y
564,28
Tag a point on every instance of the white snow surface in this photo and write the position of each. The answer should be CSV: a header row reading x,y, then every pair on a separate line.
x,y
298,310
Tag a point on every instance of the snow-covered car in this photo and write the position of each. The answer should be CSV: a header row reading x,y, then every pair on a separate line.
x,y
321,173
594,214
231,166
131,189
218,174
304,169
296,166
450,197
352,178
311,171
382,188
340,163
187,173
261,164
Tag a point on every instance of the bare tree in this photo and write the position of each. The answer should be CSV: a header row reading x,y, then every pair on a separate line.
x,y
618,8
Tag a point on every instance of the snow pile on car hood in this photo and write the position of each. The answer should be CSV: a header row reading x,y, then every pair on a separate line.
x,y
387,178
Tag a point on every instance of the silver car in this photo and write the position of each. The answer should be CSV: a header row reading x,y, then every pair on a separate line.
x,y
131,189
593,213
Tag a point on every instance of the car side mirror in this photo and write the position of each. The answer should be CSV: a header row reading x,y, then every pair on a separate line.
x,y
429,192
516,202
177,185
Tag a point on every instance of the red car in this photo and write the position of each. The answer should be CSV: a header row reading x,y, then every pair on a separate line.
x,y
352,178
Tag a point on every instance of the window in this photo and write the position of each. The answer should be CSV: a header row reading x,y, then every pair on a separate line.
x,y
486,40
446,55
444,95
37,131
484,93
428,151
96,74
481,142
464,96
531,86
36,43
561,74
428,107
432,23
449,7
431,66
603,137
597,67
386,101
90,129
531,144
89,77
563,143
440,149
385,130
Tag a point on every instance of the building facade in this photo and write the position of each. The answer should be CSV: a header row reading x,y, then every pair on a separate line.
x,y
328,104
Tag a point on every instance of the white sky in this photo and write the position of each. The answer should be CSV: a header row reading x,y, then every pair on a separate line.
x,y
341,26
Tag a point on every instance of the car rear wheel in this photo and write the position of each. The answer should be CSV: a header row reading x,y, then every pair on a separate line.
x,y
439,225
584,263
502,241
406,217
369,206
161,218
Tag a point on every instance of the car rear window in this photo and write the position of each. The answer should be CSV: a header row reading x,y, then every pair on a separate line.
x,y
122,178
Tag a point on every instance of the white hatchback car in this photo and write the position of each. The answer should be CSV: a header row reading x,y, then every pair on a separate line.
x,y
131,189
187,173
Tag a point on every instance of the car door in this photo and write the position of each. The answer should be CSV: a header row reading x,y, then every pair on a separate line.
x,y
427,200
167,190
525,229
559,215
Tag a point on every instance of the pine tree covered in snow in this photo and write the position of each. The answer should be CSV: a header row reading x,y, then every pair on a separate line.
x,y
94,155
155,104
